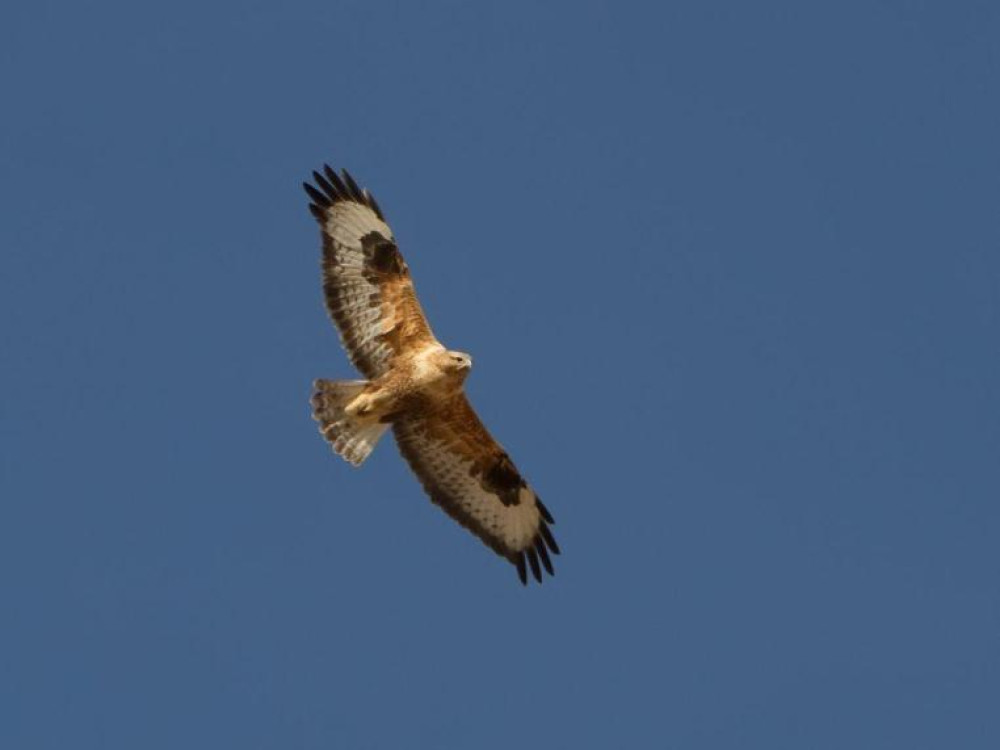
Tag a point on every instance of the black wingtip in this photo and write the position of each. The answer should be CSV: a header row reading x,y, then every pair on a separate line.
x,y
543,554
549,539
373,204
317,197
325,186
331,188
536,571
336,182
352,186
522,571
544,511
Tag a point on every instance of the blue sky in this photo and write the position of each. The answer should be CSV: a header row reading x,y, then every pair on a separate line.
x,y
730,274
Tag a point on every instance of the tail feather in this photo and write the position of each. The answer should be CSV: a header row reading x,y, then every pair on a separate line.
x,y
351,437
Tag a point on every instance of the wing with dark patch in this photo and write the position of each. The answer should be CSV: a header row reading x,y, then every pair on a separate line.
x,y
369,292
467,473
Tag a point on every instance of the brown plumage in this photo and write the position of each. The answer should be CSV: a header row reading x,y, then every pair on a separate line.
x,y
414,384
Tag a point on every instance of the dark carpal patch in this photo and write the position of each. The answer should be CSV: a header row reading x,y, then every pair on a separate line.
x,y
503,480
382,255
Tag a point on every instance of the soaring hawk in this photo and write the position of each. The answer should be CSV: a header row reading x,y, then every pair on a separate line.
x,y
413,384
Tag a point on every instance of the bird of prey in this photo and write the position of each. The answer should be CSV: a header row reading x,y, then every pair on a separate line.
x,y
412,384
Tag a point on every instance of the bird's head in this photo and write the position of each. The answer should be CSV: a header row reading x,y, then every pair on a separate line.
x,y
458,362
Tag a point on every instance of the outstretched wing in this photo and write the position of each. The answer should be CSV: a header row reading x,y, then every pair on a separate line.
x,y
367,284
466,472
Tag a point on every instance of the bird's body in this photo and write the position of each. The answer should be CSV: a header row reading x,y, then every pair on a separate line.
x,y
414,385
430,376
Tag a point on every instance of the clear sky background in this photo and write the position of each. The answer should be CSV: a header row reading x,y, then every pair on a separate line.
x,y
730,273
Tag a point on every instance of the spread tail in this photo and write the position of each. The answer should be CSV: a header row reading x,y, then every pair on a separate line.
x,y
351,437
